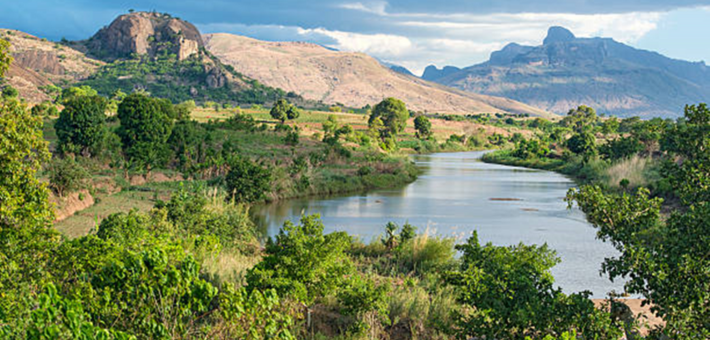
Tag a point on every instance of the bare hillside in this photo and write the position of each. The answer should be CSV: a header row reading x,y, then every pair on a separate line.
x,y
38,62
353,79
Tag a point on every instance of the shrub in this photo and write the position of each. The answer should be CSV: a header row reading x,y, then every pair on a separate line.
x,y
247,181
66,175
303,263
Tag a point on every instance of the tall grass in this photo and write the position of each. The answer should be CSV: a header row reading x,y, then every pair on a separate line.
x,y
632,169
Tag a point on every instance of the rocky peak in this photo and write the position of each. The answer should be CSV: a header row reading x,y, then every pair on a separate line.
x,y
558,34
146,33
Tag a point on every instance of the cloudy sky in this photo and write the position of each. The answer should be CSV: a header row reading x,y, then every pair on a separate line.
x,y
411,33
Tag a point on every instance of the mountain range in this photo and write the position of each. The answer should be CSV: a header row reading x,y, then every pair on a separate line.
x,y
566,71
170,58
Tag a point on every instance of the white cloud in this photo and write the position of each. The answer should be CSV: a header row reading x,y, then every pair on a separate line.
x,y
379,45
372,7
415,40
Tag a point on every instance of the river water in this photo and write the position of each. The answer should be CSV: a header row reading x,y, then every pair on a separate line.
x,y
456,194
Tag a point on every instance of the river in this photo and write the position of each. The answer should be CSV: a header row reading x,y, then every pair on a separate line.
x,y
455,194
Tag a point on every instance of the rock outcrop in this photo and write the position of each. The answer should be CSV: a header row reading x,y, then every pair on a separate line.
x,y
146,33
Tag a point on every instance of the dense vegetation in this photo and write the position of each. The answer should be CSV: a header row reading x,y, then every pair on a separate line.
x,y
195,78
641,169
192,266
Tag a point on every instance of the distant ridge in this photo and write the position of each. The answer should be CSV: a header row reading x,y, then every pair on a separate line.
x,y
566,71
351,79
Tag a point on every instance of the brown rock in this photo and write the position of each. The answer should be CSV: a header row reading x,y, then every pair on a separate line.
x,y
146,33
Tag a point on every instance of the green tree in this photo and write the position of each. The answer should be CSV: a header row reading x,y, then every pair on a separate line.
x,y
45,109
583,143
665,259
81,126
528,149
293,112
247,181
620,148
280,110
393,113
511,294
146,125
688,143
610,125
26,233
66,175
77,91
10,92
581,119
302,262
423,127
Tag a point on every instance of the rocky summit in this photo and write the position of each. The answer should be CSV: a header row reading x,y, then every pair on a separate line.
x,y
148,33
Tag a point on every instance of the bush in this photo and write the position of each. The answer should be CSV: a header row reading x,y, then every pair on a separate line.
x,y
511,293
302,263
247,181
66,175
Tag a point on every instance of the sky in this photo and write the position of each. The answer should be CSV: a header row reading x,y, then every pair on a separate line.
x,y
410,33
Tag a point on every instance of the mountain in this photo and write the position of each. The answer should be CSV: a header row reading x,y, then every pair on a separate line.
x,y
138,51
352,79
39,63
566,71
432,73
399,69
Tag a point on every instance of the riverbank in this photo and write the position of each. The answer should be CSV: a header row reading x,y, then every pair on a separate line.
x,y
574,166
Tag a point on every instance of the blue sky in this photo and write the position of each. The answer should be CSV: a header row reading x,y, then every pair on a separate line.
x,y
411,33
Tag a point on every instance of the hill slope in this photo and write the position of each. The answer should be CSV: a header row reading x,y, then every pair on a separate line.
x,y
352,79
138,51
38,63
567,71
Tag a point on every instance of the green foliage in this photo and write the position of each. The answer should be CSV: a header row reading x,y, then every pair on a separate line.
x,y
583,143
581,119
247,181
665,259
393,114
527,149
689,140
73,92
178,80
146,124
362,297
280,110
45,109
620,148
302,263
610,125
66,175
5,57
81,126
10,92
423,127
511,293
26,234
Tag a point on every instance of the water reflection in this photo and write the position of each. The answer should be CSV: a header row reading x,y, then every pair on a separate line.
x,y
456,194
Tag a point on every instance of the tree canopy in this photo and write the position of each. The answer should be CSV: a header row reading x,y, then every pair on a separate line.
x,y
81,126
146,124
393,113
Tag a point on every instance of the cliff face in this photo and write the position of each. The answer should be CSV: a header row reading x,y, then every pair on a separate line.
x,y
146,33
